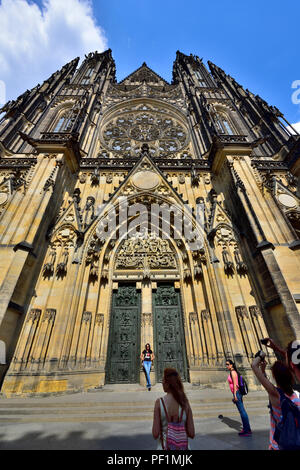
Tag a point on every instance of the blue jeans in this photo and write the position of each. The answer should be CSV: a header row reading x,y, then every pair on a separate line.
x,y
242,411
147,367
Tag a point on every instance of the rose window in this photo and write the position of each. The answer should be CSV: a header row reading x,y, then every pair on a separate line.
x,y
126,132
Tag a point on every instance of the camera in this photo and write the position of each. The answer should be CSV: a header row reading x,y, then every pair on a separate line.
x,y
260,354
264,341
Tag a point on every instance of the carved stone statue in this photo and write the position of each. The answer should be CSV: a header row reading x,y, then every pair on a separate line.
x,y
89,211
49,266
228,264
61,269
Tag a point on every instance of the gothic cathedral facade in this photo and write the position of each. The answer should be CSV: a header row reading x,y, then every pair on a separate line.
x,y
89,274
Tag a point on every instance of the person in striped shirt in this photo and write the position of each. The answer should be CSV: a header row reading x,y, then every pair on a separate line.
x,y
284,380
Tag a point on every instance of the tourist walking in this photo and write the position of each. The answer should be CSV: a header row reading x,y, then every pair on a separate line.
x,y
233,380
172,413
147,358
284,380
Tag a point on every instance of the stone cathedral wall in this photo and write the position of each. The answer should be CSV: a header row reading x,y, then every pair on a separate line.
x,y
74,299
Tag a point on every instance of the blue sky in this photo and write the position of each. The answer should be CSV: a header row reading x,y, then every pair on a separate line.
x,y
256,42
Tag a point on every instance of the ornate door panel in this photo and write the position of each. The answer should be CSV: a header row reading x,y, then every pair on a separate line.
x,y
122,365
168,331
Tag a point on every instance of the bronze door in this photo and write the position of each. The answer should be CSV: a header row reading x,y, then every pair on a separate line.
x,y
170,350
122,365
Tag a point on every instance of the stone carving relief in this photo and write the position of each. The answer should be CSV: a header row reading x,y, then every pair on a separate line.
x,y
126,297
34,315
224,235
48,269
89,211
62,240
4,195
61,269
86,317
64,237
99,319
49,315
82,178
152,87
283,187
241,267
150,252
147,319
11,181
95,177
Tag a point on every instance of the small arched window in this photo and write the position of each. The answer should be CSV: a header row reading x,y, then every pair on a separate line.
x,y
223,125
64,122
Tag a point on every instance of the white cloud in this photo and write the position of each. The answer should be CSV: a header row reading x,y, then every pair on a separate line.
x,y
36,42
294,126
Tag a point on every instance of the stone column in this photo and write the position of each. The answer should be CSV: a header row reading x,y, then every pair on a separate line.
x,y
43,339
97,339
197,338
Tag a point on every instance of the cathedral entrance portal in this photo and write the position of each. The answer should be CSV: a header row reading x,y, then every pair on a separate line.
x,y
169,340
124,339
146,308
124,348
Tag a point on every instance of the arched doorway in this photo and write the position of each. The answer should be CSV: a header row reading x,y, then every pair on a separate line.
x,y
145,307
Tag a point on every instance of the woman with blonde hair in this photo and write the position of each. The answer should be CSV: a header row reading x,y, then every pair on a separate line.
x,y
174,407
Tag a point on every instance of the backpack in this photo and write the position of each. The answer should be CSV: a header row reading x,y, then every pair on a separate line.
x,y
287,430
176,433
243,387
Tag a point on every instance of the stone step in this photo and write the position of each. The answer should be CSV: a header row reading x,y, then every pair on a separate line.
x,y
120,404
78,408
114,417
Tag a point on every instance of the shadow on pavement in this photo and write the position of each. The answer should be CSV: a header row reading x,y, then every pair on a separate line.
x,y
78,441
231,423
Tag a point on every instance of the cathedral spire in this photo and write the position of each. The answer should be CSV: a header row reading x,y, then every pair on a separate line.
x,y
266,121
22,114
19,104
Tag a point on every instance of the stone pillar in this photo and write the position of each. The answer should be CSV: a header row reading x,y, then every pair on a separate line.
x,y
197,339
43,339
30,331
97,339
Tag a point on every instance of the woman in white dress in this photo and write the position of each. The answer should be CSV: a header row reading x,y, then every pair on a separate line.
x,y
175,402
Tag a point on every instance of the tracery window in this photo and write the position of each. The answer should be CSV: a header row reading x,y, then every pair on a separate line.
x,y
64,122
133,126
223,125
87,76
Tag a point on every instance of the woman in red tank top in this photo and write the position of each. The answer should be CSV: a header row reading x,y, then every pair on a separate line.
x,y
233,381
